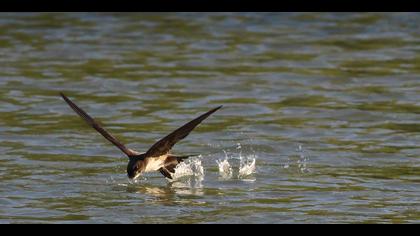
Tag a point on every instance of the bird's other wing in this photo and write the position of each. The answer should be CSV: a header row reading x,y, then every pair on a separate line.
x,y
90,121
164,145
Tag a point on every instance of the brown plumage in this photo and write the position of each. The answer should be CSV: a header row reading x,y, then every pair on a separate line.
x,y
157,158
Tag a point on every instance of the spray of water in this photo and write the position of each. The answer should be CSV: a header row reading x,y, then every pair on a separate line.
x,y
225,169
191,172
302,162
246,164
247,167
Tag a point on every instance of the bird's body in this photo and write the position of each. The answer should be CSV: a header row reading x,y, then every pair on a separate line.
x,y
157,158
155,163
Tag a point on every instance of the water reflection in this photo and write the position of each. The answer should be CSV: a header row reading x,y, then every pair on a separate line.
x,y
170,191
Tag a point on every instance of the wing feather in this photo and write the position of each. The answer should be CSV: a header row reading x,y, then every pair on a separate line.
x,y
164,145
90,121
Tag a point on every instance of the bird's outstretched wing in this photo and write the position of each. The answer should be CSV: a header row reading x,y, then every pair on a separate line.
x,y
89,120
164,145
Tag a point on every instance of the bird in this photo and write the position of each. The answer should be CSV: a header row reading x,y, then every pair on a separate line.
x,y
158,157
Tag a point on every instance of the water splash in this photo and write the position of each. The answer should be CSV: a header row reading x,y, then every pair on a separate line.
x,y
139,179
192,171
302,162
183,169
225,169
246,167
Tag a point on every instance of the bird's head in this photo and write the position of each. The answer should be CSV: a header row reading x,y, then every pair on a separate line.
x,y
135,167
